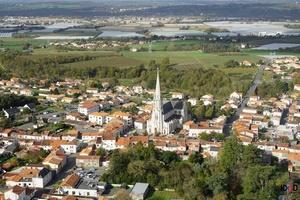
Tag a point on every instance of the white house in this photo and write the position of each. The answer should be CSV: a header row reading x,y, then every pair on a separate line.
x,y
236,95
109,143
297,87
250,110
138,89
88,107
19,193
70,147
140,124
92,90
76,186
98,117
207,99
56,160
29,176
193,101
177,95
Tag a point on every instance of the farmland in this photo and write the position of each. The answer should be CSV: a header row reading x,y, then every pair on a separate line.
x,y
189,59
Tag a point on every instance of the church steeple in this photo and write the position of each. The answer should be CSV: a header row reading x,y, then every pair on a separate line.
x,y
157,119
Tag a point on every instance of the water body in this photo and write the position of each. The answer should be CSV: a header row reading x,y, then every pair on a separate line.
x,y
276,46
62,37
165,32
255,28
6,35
119,34
55,27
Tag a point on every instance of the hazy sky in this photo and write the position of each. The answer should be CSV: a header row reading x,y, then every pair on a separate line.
x,y
269,1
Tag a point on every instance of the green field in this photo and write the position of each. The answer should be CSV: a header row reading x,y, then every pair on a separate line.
x,y
164,195
108,61
18,43
185,60
191,59
53,52
181,59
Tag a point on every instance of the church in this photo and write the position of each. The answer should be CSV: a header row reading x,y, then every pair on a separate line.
x,y
167,116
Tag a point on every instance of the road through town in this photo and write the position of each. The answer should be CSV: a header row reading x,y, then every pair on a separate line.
x,y
256,81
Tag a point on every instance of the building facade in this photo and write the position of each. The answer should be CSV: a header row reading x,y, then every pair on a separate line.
x,y
166,116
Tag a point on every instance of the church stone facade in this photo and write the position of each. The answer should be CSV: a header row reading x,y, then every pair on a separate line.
x,y
167,116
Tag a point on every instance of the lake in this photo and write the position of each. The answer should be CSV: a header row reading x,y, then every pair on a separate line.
x,y
171,32
260,28
276,46
119,34
62,37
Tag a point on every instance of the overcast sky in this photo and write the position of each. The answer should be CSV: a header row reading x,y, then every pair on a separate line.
x,y
269,1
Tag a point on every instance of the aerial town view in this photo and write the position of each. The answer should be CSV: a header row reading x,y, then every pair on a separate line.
x,y
149,100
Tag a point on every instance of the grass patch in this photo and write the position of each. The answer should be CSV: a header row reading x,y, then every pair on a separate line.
x,y
164,195
127,82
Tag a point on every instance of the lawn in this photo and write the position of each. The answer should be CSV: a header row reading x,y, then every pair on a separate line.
x,y
164,195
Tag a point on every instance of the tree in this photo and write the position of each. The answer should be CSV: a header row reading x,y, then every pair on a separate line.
x,y
5,122
193,190
231,153
251,156
101,152
26,111
196,158
218,182
232,63
258,183
168,156
209,113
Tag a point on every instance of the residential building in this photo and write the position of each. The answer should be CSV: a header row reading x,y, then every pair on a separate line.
x,y
19,193
98,117
29,176
56,160
88,107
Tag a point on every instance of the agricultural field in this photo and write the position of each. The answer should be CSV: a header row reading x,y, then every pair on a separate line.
x,y
191,59
19,43
180,59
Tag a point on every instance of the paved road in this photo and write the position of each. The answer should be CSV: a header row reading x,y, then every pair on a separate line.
x,y
256,81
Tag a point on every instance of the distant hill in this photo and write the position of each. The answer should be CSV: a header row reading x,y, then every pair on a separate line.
x,y
210,9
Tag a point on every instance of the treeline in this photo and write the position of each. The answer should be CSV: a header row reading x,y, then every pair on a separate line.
x,y
239,173
196,82
274,89
205,47
24,65
12,100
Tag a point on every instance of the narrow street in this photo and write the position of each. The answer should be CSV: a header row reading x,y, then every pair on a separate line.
x,y
256,81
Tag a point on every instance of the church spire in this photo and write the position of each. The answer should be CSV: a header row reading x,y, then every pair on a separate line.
x,y
157,119
157,89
